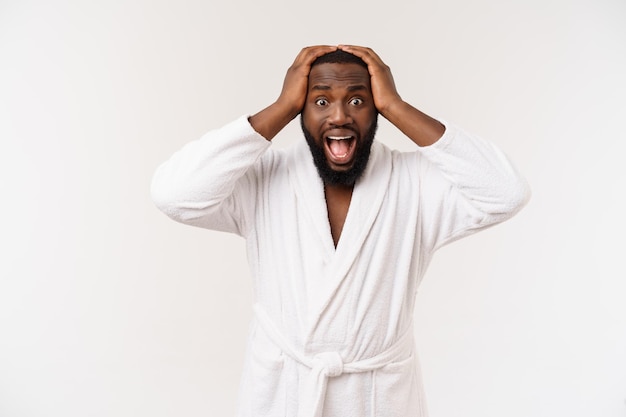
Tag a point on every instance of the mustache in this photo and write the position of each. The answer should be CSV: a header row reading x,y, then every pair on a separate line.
x,y
349,177
340,127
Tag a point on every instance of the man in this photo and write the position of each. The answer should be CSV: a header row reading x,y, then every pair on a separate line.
x,y
339,231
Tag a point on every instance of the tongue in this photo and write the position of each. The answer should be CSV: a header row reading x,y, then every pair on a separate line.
x,y
339,147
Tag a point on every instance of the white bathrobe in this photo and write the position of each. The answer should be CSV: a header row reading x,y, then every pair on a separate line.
x,y
333,329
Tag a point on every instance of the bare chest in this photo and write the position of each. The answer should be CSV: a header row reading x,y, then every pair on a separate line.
x,y
337,203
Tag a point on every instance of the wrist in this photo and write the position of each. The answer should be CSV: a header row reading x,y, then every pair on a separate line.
x,y
272,119
287,108
391,107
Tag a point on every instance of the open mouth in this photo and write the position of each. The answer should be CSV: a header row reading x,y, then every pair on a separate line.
x,y
340,149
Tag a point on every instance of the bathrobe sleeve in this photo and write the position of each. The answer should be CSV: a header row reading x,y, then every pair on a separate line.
x,y
466,184
211,182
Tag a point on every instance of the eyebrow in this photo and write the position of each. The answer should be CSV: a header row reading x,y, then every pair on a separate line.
x,y
356,87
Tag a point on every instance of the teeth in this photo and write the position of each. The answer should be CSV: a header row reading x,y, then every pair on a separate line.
x,y
339,137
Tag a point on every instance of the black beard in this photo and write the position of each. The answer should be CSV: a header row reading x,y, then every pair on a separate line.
x,y
348,178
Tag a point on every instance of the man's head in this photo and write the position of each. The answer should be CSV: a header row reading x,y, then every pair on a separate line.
x,y
339,118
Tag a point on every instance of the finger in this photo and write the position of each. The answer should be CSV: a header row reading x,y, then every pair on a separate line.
x,y
366,54
311,53
361,50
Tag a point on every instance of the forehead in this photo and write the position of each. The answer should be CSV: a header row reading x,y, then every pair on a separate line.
x,y
338,75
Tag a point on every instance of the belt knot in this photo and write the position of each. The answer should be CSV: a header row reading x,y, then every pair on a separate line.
x,y
330,363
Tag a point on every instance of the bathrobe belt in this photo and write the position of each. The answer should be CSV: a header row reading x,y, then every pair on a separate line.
x,y
328,364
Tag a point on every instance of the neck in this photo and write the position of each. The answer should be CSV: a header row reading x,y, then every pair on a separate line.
x,y
338,188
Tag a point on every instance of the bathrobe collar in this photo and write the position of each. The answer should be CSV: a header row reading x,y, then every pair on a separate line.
x,y
367,197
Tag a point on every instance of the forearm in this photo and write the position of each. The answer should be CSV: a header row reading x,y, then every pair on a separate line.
x,y
272,119
417,126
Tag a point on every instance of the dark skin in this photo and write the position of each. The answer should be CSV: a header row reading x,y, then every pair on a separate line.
x,y
337,201
338,100
339,104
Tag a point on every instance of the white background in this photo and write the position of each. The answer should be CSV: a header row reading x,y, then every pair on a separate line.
x,y
107,308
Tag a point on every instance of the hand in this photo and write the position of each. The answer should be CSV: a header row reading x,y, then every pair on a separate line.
x,y
271,120
382,84
295,86
417,126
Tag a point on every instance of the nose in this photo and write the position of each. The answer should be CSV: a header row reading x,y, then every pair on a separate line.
x,y
340,115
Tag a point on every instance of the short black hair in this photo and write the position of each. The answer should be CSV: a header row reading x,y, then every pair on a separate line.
x,y
339,57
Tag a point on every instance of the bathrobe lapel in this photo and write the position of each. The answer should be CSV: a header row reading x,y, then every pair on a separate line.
x,y
309,190
367,198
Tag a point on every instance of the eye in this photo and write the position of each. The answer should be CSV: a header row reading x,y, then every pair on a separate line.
x,y
321,102
356,101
